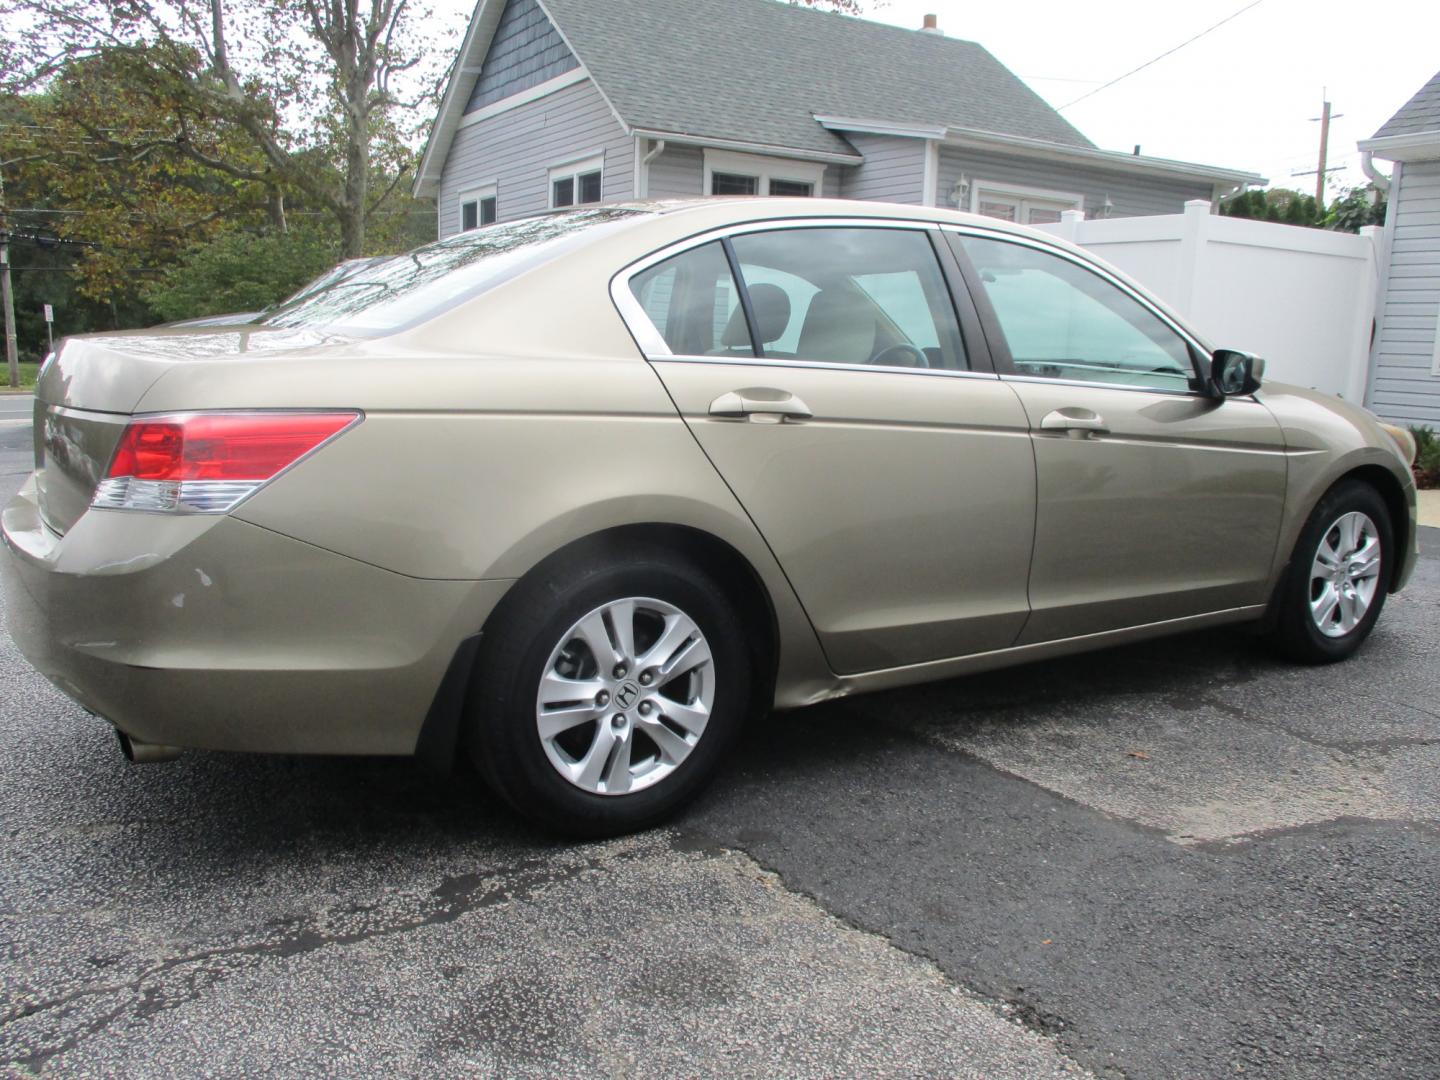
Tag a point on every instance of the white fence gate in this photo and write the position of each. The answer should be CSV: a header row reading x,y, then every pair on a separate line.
x,y
1304,299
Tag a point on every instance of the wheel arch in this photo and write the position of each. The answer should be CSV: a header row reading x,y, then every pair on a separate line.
x,y
1391,491
441,732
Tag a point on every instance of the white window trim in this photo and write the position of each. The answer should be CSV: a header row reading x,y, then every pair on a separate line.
x,y
490,189
575,168
1015,191
764,169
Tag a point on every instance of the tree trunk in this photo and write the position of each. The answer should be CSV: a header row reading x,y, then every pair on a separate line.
x,y
275,210
357,178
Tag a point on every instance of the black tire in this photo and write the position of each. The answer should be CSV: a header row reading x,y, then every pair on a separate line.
x,y
503,737
1294,631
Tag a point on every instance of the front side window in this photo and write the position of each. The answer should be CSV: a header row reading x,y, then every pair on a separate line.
x,y
576,185
692,301
851,296
1063,321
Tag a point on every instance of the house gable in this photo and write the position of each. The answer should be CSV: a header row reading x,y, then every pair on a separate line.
x,y
527,50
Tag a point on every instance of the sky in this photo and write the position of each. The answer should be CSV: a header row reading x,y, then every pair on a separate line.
x,y
1242,96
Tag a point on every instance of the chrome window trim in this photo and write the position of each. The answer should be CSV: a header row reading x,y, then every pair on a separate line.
x,y
1097,270
822,365
652,343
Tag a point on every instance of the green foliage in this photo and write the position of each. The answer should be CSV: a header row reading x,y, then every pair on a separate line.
x,y
1352,209
241,271
1355,208
1427,457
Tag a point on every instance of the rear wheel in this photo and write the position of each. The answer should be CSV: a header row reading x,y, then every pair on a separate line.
x,y
606,694
1335,586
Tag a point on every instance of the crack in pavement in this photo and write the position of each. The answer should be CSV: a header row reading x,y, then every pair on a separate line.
x,y
457,895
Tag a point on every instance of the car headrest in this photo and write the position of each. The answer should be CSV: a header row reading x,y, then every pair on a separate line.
x,y
772,315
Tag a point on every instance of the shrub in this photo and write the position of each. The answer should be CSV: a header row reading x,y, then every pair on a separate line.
x,y
1427,457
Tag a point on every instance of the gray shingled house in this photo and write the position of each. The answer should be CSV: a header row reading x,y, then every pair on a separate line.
x,y
559,102
1405,356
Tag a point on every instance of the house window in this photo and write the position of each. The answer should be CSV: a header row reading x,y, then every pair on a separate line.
x,y
728,173
791,187
1025,206
734,184
479,207
577,183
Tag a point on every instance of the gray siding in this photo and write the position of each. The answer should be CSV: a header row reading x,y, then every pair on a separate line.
x,y
517,148
894,169
679,173
526,51
1404,387
1132,196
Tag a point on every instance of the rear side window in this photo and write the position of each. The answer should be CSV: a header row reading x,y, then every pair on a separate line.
x,y
865,296
692,300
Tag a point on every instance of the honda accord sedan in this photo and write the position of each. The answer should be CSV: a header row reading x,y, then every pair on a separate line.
x,y
575,495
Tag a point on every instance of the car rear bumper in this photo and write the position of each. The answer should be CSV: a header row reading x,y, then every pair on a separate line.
x,y
209,632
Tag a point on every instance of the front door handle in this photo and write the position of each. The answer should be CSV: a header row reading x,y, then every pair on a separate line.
x,y
1074,423
762,404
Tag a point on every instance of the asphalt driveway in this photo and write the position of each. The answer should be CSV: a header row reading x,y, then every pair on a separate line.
x,y
1176,859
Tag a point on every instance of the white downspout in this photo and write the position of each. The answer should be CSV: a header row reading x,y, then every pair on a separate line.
x,y
655,152
1367,166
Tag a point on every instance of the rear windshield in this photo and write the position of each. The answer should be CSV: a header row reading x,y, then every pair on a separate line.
x,y
392,294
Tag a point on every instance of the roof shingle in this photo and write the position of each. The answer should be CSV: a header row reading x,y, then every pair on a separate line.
x,y
1420,113
759,71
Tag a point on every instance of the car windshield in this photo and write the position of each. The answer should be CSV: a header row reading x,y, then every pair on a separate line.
x,y
391,294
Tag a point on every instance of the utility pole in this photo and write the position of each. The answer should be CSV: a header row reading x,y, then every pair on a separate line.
x,y
7,299
1324,147
1320,171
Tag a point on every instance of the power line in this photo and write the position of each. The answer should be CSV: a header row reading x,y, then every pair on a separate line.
x,y
1167,52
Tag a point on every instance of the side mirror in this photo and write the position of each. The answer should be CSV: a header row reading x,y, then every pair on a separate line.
x,y
1234,373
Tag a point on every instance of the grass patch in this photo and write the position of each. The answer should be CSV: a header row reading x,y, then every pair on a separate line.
x,y
29,372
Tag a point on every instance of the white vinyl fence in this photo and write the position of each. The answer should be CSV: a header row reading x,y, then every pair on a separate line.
x,y
1304,299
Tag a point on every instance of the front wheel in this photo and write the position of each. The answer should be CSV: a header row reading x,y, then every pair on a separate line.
x,y
607,694
1335,586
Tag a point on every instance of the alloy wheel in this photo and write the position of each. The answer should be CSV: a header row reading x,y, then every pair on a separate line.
x,y
1345,574
625,696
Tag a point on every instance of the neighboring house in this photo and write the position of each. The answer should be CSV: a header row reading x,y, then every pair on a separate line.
x,y
1405,358
559,102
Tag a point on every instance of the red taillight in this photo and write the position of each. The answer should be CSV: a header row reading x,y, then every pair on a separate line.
x,y
221,446
208,461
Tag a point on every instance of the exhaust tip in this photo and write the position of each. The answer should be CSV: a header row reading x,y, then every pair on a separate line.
x,y
144,753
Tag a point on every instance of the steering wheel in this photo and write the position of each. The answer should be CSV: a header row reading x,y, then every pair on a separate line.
x,y
892,355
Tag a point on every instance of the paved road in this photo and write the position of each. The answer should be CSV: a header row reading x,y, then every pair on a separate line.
x,y
1177,859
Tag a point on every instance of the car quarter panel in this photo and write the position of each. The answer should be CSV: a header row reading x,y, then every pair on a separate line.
x,y
209,632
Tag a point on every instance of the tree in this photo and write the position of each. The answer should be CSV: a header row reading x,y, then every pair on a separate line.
x,y
240,271
283,94
1355,208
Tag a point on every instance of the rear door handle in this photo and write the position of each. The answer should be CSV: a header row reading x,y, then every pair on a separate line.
x,y
1074,423
762,404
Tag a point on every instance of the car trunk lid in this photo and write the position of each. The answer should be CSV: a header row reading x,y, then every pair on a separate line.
x,y
89,390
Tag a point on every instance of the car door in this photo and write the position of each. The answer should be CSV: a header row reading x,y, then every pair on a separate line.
x,y
1155,501
823,369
